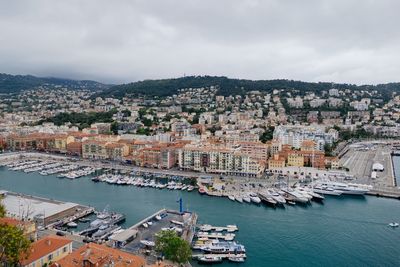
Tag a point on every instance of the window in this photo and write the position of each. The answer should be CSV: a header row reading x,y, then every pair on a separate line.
x,y
64,249
50,257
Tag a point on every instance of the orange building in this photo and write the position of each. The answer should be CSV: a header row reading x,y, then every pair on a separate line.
x,y
46,250
100,256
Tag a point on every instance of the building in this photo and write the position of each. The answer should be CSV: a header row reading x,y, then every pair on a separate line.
x,y
221,160
295,159
276,162
49,249
99,256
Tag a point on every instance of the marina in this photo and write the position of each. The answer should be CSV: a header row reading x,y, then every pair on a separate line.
x,y
304,228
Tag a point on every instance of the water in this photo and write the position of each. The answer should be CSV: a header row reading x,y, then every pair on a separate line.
x,y
344,231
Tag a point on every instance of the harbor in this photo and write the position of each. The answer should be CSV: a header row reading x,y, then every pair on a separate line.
x,y
304,228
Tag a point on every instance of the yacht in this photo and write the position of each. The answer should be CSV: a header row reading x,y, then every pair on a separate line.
x,y
278,198
296,196
325,190
223,247
239,199
347,189
210,259
246,198
254,198
236,259
231,197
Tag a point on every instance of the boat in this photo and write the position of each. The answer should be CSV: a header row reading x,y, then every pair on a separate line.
x,y
297,196
84,220
393,224
147,243
232,228
158,218
239,199
72,224
347,189
231,197
277,197
254,198
247,199
222,247
236,259
210,259
202,190
267,199
325,190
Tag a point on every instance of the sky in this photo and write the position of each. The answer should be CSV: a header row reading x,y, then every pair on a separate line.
x,y
352,41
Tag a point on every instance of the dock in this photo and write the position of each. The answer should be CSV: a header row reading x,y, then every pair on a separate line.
x,y
389,193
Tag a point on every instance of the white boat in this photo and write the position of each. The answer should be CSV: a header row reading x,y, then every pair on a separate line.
x,y
347,189
239,199
254,198
147,243
72,224
224,247
236,259
210,259
231,198
393,224
246,199
326,190
278,198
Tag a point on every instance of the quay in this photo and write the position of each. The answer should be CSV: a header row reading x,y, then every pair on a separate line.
x,y
43,211
140,237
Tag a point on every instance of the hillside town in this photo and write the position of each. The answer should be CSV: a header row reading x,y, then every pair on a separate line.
x,y
198,129
260,137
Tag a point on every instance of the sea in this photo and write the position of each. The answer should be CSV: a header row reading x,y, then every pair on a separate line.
x,y
343,231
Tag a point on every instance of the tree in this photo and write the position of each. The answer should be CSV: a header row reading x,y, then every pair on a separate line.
x,y
173,247
14,246
2,209
114,127
268,134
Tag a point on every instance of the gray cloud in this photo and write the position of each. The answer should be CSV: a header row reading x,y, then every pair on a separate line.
x,y
119,41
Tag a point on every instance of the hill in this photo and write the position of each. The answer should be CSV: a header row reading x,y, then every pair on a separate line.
x,y
228,86
16,83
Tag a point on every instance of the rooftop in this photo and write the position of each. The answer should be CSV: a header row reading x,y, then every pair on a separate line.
x,y
27,206
100,255
45,246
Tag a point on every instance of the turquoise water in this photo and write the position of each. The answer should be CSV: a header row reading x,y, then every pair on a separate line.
x,y
344,231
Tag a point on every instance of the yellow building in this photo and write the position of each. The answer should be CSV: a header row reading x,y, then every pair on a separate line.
x,y
276,162
295,159
47,250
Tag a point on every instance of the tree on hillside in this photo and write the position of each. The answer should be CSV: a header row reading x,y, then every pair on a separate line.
x,y
14,246
2,209
173,247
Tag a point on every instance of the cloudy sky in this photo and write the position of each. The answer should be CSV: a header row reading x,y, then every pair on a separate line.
x,y
354,41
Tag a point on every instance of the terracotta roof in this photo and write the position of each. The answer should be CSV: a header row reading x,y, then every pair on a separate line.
x,y
100,255
45,246
13,222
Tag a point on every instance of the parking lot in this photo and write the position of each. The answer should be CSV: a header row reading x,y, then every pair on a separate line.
x,y
359,161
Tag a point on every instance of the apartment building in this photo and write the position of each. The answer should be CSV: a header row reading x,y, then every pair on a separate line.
x,y
220,160
49,249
